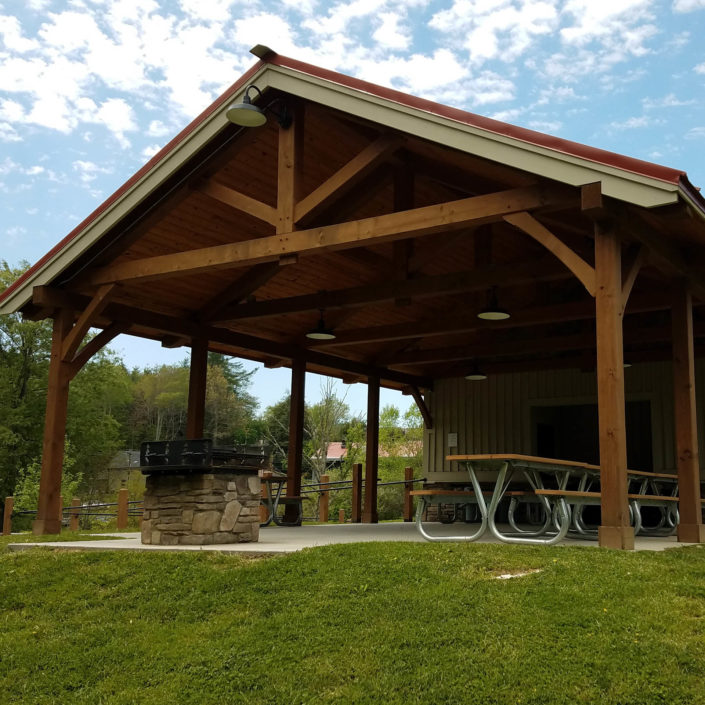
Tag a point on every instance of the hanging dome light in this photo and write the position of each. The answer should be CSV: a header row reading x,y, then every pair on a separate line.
x,y
246,114
493,311
321,332
476,374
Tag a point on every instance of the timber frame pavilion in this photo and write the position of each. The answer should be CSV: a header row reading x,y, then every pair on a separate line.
x,y
392,217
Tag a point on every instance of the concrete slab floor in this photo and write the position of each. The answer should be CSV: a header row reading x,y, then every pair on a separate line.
x,y
276,539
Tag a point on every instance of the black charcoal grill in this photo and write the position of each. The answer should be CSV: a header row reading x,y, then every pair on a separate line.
x,y
198,455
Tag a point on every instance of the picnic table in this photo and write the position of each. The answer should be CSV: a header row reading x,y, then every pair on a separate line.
x,y
274,497
562,488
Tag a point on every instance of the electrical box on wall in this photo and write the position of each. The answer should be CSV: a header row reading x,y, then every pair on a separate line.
x,y
452,440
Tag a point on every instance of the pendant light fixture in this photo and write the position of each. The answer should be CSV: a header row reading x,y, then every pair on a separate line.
x,y
475,374
493,311
321,332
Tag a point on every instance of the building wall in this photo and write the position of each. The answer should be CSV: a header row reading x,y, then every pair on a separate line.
x,y
494,416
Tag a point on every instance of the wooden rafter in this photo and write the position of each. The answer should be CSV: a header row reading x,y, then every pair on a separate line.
x,y
634,260
239,289
421,404
73,339
440,284
576,264
346,177
170,325
368,231
477,348
95,344
448,325
239,201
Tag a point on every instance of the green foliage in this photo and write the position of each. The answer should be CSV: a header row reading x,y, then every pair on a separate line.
x,y
27,489
390,623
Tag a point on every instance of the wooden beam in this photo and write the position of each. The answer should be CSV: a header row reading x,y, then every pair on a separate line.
x,y
239,289
289,170
162,323
346,177
369,515
48,519
388,290
368,231
198,372
239,201
294,466
470,323
615,530
86,320
95,344
663,252
690,527
421,404
576,264
591,202
635,259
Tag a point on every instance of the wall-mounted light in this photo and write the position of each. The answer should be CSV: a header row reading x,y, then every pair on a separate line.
x,y
493,311
247,114
321,331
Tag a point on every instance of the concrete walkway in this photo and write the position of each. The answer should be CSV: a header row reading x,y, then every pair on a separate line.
x,y
275,539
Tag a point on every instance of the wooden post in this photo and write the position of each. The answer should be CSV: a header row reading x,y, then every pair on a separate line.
x,y
123,497
323,507
7,516
73,521
341,516
48,519
296,436
263,511
197,389
408,499
372,450
356,511
690,528
615,530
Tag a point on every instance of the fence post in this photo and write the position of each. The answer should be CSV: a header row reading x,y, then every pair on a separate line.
x,y
7,516
341,516
263,511
408,499
356,513
122,509
323,511
73,521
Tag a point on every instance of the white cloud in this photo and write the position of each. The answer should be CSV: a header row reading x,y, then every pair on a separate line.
x,y
216,10
546,125
149,151
496,29
89,171
390,34
118,117
668,101
695,133
688,5
700,68
11,34
632,123
158,129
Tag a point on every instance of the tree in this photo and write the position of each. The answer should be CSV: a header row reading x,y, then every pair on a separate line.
x,y
24,362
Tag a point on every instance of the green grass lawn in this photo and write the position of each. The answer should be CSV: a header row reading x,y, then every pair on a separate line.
x,y
362,623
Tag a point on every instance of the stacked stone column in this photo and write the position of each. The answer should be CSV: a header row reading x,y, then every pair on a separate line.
x,y
201,508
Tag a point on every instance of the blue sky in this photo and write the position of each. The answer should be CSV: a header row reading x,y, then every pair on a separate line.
x,y
90,89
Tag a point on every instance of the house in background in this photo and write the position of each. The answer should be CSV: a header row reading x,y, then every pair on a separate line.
x,y
501,276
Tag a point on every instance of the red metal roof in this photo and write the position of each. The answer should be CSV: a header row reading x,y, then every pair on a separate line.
x,y
593,154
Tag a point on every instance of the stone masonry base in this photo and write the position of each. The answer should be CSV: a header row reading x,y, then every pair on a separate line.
x,y
199,508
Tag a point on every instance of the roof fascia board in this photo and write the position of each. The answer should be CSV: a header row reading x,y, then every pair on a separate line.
x,y
149,182
575,171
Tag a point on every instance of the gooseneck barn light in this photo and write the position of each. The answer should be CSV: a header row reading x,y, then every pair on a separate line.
x,y
247,114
